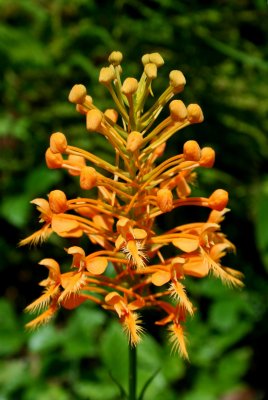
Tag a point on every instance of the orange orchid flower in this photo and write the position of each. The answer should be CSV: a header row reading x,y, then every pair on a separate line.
x,y
127,270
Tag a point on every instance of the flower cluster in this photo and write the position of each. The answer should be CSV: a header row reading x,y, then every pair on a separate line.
x,y
128,271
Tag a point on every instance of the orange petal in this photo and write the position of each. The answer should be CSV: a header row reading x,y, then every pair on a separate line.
x,y
139,233
119,242
186,244
160,278
52,266
42,318
73,300
112,298
199,269
41,203
76,250
97,265
65,227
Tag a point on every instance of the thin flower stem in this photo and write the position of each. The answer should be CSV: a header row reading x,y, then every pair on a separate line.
x,y
132,373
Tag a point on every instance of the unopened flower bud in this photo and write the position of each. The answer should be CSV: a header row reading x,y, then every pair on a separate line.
x,y
150,70
218,200
81,109
177,81
115,58
145,59
77,94
88,178
58,142
53,160
164,199
76,161
191,151
195,114
93,120
178,111
183,189
129,86
57,201
111,114
159,151
157,59
207,157
134,141
107,74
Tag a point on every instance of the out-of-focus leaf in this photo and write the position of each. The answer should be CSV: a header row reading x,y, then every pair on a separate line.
x,y
96,391
81,333
48,391
45,339
233,366
14,374
11,337
114,353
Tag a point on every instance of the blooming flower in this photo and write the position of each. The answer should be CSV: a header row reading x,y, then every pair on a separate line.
x,y
121,220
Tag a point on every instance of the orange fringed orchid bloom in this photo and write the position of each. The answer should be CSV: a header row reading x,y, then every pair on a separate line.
x,y
121,220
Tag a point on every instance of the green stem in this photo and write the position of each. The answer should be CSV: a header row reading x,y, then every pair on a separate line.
x,y
132,372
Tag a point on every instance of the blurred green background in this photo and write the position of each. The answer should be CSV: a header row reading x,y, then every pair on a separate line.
x,y
222,48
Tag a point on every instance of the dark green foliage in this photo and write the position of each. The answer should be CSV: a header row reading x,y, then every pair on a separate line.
x,y
45,48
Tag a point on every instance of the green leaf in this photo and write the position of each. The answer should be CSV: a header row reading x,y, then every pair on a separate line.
x,y
96,390
147,383
11,334
114,353
233,366
14,374
45,339
82,331
46,391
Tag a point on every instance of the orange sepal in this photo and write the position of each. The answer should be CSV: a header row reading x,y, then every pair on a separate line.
x,y
73,300
199,269
186,244
65,227
96,265
160,278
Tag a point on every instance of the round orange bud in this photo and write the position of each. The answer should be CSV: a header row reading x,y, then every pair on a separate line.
x,y
145,59
195,114
191,151
81,109
76,161
53,160
115,58
178,111
129,86
93,120
88,178
57,201
159,151
218,200
111,114
58,142
207,157
177,81
164,199
77,94
134,141
107,75
157,59
150,70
